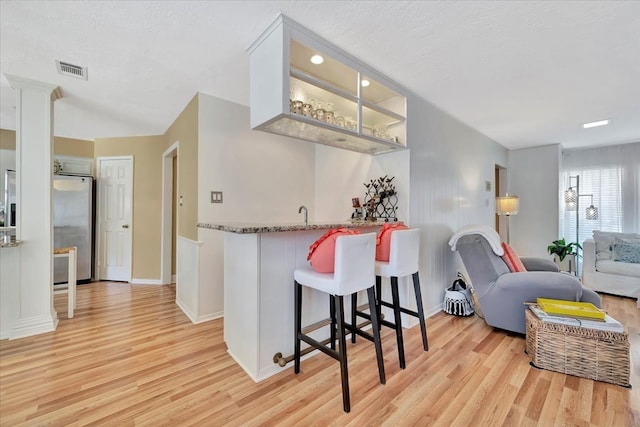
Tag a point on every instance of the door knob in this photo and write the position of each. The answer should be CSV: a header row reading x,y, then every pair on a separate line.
x,y
125,226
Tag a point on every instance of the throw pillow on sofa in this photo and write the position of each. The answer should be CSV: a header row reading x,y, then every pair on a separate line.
x,y
322,252
626,250
512,259
605,240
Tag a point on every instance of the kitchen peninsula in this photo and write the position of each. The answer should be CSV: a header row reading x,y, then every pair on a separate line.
x,y
259,261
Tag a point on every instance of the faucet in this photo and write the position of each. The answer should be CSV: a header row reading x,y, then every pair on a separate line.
x,y
306,219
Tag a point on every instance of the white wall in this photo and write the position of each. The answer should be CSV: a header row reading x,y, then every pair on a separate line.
x,y
341,174
534,175
264,178
449,165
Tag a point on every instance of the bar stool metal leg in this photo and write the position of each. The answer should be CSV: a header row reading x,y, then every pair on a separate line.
x,y
375,329
332,314
423,326
395,297
354,309
342,352
379,299
298,325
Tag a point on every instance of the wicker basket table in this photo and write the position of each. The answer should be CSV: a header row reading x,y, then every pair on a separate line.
x,y
588,353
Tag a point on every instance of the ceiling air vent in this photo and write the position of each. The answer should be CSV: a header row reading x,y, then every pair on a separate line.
x,y
71,70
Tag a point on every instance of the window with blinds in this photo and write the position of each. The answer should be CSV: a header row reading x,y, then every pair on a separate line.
x,y
610,176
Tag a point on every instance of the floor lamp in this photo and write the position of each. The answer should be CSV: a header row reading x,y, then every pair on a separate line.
x,y
507,206
572,203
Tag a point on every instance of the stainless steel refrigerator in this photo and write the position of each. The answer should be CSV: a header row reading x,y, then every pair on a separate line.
x,y
73,224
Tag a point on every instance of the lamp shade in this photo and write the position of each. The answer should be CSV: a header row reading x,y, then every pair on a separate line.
x,y
507,205
592,212
571,196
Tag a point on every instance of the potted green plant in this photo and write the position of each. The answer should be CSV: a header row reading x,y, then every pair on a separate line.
x,y
564,253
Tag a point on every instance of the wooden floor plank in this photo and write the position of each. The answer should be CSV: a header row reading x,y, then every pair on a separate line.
x,y
130,357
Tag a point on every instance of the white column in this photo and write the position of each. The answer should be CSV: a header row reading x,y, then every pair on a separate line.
x,y
34,148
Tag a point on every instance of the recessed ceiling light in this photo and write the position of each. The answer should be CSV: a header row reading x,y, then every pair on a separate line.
x,y
365,83
317,59
595,124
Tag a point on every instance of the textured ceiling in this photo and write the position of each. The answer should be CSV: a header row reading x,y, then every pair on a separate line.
x,y
523,73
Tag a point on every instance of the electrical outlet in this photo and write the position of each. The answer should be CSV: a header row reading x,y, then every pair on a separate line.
x,y
216,197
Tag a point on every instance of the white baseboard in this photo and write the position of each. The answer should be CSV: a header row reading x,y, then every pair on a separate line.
x,y
146,282
209,317
195,319
433,311
186,310
33,326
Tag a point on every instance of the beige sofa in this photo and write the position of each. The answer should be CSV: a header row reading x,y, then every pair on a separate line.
x,y
604,271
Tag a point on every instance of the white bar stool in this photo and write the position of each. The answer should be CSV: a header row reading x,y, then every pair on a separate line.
x,y
404,253
71,253
354,271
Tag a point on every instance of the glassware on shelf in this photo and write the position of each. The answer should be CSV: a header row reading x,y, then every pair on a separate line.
x,y
329,106
381,132
297,107
350,123
340,121
307,110
315,105
329,117
320,112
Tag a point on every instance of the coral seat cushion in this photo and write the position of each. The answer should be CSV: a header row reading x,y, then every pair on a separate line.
x,y
322,252
383,240
512,259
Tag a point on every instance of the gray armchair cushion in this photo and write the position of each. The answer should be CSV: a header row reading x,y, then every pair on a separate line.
x,y
502,294
539,264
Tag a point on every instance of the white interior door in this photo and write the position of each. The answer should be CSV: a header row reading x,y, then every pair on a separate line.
x,y
115,190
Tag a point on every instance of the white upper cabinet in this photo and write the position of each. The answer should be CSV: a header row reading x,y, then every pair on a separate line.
x,y
304,87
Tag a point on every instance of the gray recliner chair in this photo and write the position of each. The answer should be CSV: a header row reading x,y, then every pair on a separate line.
x,y
502,294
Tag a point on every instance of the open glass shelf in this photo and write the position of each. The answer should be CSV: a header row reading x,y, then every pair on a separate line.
x,y
309,130
334,95
334,100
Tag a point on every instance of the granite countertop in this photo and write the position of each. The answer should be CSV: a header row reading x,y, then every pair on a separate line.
x,y
10,243
244,228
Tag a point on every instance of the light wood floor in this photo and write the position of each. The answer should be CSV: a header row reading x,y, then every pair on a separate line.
x,y
131,357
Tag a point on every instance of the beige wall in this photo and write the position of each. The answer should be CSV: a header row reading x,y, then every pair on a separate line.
x,y
147,197
7,139
62,146
72,147
184,130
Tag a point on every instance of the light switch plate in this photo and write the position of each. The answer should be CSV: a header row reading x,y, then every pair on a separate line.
x,y
216,197
487,185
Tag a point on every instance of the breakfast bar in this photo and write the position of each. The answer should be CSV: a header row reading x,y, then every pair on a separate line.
x,y
259,260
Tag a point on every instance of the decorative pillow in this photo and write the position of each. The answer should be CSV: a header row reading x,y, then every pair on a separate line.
x,y
512,259
322,252
605,240
625,251
383,240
